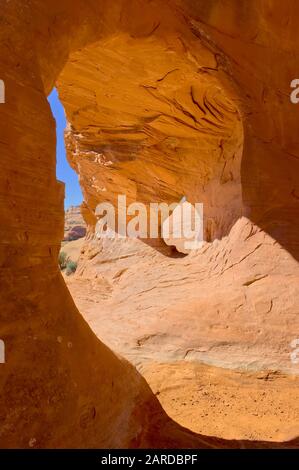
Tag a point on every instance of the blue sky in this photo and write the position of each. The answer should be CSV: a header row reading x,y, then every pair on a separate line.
x,y
73,194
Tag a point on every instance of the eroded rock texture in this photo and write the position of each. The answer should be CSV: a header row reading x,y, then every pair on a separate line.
x,y
161,111
154,124
164,99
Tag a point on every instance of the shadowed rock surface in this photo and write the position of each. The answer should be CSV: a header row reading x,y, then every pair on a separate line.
x,y
164,99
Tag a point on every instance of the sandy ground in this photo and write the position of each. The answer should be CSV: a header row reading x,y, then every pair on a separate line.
x,y
225,403
232,404
73,248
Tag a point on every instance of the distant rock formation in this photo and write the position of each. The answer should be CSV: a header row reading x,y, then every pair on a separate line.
x,y
74,225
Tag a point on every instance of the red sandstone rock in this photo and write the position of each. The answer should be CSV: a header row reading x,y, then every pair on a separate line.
x,y
164,99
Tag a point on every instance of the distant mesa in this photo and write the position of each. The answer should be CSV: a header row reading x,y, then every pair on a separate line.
x,y
74,225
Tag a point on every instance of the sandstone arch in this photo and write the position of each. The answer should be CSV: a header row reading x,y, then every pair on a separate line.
x,y
154,124
60,386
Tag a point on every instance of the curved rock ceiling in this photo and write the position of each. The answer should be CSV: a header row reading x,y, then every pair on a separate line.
x,y
147,119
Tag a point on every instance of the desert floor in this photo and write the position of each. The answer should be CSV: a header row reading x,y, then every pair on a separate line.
x,y
233,404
